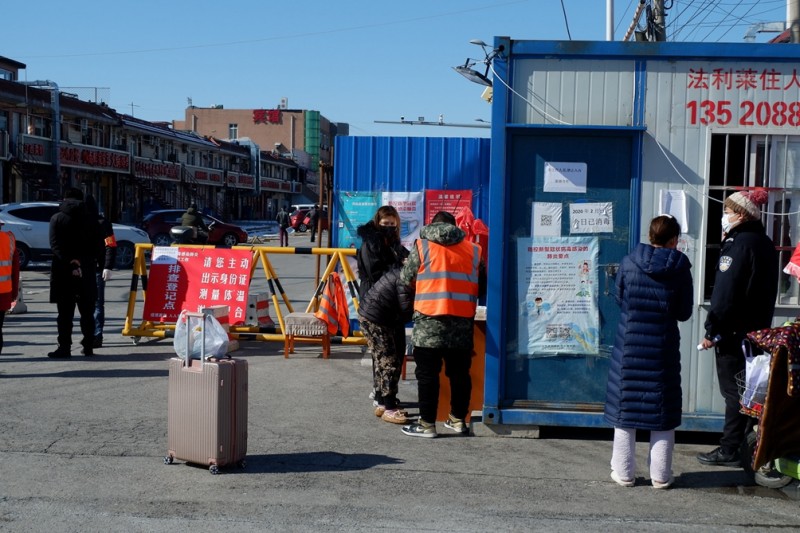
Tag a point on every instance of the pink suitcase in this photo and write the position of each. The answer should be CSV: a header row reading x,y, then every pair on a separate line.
x,y
207,412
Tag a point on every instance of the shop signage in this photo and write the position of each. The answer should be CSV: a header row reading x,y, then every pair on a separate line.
x,y
204,176
35,150
147,168
93,158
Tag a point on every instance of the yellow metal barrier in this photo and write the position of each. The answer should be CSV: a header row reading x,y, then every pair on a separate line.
x,y
337,257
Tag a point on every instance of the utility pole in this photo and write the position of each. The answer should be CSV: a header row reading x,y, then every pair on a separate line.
x,y
793,19
659,24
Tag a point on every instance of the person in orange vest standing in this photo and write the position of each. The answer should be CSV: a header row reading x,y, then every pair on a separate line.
x,y
9,275
449,277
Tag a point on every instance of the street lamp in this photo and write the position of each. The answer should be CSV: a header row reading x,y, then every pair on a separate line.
x,y
473,75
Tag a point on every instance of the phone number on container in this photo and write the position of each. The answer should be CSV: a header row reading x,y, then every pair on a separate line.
x,y
750,113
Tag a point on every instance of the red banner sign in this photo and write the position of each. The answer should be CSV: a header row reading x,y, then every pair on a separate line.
x,y
451,201
194,278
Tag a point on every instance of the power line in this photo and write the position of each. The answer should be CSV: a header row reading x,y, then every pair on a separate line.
x,y
566,22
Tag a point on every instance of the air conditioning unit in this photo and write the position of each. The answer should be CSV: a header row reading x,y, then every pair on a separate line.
x,y
284,103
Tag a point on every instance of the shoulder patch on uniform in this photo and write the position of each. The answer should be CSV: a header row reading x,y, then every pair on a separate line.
x,y
725,263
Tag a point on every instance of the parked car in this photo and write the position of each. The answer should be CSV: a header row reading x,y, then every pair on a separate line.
x,y
297,219
30,223
158,223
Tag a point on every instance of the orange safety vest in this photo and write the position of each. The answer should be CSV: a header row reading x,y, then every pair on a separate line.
x,y
447,279
7,245
333,309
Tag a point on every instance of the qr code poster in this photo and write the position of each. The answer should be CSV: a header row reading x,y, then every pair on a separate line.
x,y
546,219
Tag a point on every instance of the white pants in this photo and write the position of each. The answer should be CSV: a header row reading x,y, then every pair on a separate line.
x,y
623,456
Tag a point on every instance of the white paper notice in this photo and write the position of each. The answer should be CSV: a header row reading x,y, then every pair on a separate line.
x,y
546,220
674,203
591,218
565,177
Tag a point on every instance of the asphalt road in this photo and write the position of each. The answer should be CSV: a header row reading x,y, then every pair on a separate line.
x,y
83,440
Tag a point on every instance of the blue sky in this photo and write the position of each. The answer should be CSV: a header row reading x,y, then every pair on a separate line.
x,y
355,61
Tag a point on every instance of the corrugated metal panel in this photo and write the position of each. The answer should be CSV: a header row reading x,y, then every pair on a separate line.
x,y
410,164
573,92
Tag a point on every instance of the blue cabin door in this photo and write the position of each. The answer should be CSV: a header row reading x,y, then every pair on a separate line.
x,y
566,381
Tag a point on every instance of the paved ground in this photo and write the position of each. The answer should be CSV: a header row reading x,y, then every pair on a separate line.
x,y
82,443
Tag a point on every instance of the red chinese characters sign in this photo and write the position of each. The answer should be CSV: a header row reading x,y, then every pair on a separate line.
x,y
451,201
743,96
272,116
94,158
194,278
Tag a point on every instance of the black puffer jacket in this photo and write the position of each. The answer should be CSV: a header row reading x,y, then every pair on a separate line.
x,y
390,302
376,257
74,236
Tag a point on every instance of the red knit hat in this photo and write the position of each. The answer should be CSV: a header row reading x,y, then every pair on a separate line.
x,y
750,201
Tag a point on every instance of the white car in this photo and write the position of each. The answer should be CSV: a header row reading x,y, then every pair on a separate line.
x,y
30,224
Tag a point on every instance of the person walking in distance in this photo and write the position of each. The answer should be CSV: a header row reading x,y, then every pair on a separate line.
x,y
654,290
9,275
449,277
74,240
282,219
313,221
743,300
104,267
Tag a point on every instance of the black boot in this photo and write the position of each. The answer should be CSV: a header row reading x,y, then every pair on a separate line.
x,y
62,352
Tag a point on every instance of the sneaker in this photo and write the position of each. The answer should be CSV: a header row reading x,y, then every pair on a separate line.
x,y
663,485
717,457
420,429
98,342
88,351
622,482
60,353
456,424
395,416
379,410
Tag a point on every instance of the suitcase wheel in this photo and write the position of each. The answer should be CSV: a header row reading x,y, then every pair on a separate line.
x,y
168,460
242,464
214,469
136,340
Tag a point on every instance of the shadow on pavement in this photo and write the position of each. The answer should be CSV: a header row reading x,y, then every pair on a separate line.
x,y
283,463
115,373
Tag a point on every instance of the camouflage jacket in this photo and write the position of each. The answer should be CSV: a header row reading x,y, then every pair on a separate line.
x,y
446,331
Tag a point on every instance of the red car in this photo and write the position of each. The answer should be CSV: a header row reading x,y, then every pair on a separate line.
x,y
158,223
297,220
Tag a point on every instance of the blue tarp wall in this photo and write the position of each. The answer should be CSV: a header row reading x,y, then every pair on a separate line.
x,y
412,164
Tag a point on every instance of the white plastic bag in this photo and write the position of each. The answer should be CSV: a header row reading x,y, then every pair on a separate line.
x,y
216,338
756,377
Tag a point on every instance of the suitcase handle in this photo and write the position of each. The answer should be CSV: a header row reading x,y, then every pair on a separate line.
x,y
189,315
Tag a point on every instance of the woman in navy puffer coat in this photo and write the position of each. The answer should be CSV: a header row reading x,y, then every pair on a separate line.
x,y
655,291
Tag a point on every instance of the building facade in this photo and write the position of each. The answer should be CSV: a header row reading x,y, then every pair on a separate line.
x,y
50,140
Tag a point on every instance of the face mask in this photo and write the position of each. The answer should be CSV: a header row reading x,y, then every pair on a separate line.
x,y
726,223
388,232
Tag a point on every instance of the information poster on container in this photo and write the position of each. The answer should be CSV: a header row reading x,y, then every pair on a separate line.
x,y
355,209
194,278
558,296
591,217
410,207
443,200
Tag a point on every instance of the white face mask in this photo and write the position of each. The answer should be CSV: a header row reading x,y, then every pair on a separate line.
x,y
726,223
